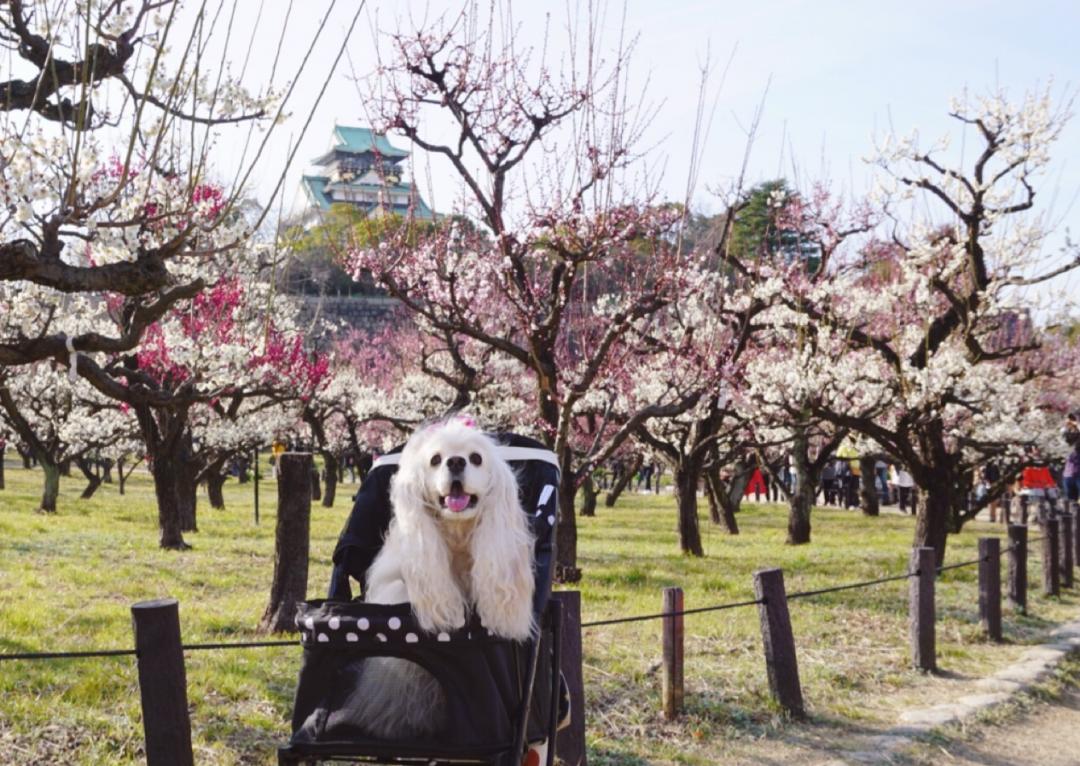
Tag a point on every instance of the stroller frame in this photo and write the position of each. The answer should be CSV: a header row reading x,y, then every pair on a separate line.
x,y
353,555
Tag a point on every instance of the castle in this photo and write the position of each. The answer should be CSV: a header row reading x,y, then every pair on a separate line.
x,y
363,169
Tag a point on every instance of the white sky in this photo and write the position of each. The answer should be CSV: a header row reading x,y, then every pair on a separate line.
x,y
837,73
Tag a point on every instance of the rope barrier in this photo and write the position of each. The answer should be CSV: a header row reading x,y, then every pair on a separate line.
x,y
973,562
643,617
68,655
850,586
131,652
248,645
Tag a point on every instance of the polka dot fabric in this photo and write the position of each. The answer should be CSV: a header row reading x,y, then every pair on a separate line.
x,y
355,625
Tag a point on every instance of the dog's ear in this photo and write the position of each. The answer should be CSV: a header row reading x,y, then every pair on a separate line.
x,y
502,553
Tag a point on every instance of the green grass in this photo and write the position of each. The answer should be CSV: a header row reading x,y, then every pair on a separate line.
x,y
67,582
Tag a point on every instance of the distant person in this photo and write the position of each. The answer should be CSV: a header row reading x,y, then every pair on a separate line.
x,y
1036,483
828,482
1071,475
991,475
905,490
277,449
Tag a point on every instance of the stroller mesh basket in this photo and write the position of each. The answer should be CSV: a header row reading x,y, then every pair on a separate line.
x,y
500,694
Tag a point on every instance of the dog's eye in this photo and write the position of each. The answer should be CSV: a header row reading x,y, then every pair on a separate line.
x,y
475,458
436,459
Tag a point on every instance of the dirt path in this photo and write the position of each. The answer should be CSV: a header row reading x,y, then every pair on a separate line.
x,y
1046,735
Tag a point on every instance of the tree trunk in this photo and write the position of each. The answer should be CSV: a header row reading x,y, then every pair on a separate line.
x,y
121,477
215,488
712,483
243,470
627,476
25,455
106,471
331,470
588,497
1,469
316,485
720,493
566,568
93,481
802,498
686,481
164,469
291,546
934,505
51,488
187,489
868,496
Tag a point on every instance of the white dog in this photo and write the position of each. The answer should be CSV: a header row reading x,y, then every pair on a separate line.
x,y
458,542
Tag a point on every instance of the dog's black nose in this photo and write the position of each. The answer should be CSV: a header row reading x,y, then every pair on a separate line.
x,y
455,464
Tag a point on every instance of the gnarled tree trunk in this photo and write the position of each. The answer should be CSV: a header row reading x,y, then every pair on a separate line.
x,y
933,508
163,468
215,484
627,476
93,480
187,485
686,481
721,506
316,485
330,463
566,568
802,498
292,542
868,496
588,497
51,489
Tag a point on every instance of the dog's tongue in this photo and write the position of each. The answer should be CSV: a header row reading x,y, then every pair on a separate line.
x,y
457,501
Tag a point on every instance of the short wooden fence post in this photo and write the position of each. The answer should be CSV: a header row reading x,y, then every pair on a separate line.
x,y
1018,534
1075,542
570,742
779,641
990,587
1050,561
1066,550
162,683
672,626
921,612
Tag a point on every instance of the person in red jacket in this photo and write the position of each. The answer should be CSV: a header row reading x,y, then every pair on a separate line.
x,y
1036,482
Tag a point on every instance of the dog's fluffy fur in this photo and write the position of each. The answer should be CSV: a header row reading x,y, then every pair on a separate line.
x,y
458,542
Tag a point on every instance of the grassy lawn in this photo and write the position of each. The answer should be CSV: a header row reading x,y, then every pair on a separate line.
x,y
66,583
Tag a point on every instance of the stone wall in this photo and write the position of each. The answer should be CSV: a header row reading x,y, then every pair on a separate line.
x,y
362,312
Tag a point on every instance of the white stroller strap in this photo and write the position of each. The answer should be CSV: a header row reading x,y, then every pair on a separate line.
x,y
509,454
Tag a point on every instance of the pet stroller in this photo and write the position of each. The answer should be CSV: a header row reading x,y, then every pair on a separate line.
x,y
500,694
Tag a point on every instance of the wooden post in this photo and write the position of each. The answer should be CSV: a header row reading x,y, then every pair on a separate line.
x,y
570,743
162,682
779,641
1066,549
292,541
1018,567
990,587
1076,535
1050,561
672,627
923,568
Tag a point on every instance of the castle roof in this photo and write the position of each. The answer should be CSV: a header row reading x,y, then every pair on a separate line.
x,y
352,140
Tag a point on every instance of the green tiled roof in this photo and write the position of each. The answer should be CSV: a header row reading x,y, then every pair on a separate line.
x,y
316,188
361,140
